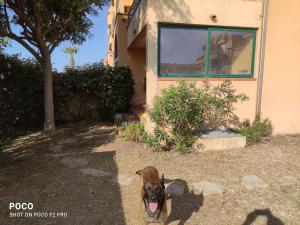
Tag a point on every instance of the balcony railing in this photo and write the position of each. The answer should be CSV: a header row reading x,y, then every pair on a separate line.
x,y
135,5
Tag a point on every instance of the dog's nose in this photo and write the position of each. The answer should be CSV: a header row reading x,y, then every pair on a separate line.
x,y
152,198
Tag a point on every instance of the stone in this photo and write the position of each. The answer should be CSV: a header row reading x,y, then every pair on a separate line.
x,y
66,141
122,180
288,180
176,188
209,188
252,182
74,162
219,140
95,172
56,148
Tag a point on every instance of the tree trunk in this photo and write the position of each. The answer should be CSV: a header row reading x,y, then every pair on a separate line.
x,y
48,94
72,61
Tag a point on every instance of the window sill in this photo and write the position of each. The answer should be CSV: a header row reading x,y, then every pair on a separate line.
x,y
204,79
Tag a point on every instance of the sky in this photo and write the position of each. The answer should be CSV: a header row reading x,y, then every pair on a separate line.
x,y
93,50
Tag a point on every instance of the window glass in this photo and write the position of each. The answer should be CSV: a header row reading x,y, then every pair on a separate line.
x,y
183,51
230,52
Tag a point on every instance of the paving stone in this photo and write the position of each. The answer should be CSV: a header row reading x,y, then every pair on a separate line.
x,y
94,172
74,162
176,187
209,188
252,182
122,180
56,148
288,180
67,141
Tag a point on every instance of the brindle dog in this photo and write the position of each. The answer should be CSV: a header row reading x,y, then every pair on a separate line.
x,y
153,203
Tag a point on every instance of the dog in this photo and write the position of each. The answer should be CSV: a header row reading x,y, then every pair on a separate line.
x,y
153,198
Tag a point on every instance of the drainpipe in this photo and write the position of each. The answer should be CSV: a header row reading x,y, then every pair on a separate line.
x,y
262,57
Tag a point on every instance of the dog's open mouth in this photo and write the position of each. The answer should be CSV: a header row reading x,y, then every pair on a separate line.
x,y
153,206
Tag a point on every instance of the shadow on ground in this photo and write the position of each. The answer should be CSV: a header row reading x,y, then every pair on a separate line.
x,y
30,172
183,206
271,219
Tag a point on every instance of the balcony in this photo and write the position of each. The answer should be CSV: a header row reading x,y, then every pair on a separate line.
x,y
137,17
134,7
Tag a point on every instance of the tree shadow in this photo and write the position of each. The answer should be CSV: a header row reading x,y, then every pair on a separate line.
x,y
183,206
76,139
178,9
271,219
53,187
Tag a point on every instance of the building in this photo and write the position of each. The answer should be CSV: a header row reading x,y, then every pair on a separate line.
x,y
253,43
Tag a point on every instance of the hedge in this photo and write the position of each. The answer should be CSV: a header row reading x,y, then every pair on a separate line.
x,y
93,91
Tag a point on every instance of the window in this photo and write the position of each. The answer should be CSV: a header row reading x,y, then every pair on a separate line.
x,y
189,51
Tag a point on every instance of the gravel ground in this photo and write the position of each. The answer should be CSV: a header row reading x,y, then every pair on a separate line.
x,y
86,175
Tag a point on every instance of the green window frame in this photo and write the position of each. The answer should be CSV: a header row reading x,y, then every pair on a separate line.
x,y
209,29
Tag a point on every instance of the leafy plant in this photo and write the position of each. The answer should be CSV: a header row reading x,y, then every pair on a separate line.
x,y
85,93
102,89
2,142
256,131
182,109
41,26
134,131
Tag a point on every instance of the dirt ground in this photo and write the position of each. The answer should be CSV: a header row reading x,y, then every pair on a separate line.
x,y
38,169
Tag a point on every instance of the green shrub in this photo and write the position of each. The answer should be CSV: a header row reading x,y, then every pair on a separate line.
x,y
2,142
134,132
101,90
89,92
21,95
257,131
182,109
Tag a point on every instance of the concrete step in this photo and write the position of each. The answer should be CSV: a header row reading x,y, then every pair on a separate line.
x,y
219,140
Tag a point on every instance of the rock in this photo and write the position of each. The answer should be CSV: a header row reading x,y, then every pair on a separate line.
x,y
288,180
209,188
94,172
66,141
122,180
219,140
56,148
252,182
74,162
176,187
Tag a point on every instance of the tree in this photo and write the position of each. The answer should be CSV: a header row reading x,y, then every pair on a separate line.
x,y
71,51
3,43
41,25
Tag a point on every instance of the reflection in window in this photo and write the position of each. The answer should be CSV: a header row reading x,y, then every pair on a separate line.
x,y
183,51
230,52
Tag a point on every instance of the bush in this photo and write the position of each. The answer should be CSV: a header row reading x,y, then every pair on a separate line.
x,y
181,110
134,132
257,131
21,94
3,142
89,92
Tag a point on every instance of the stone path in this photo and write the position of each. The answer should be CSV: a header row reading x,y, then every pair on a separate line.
x,y
208,188
252,182
288,180
94,172
74,162
173,188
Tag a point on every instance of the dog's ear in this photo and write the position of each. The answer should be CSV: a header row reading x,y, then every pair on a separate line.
x,y
139,172
162,180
